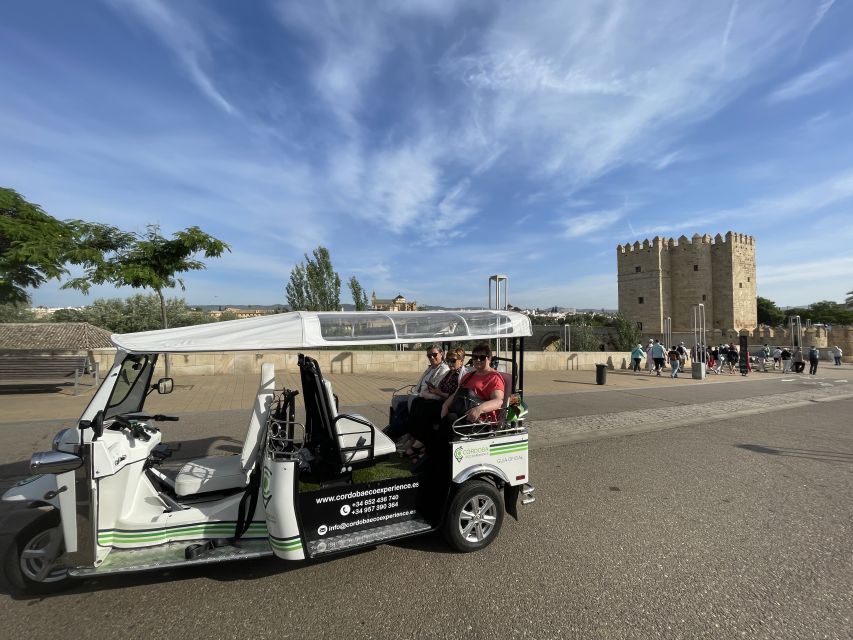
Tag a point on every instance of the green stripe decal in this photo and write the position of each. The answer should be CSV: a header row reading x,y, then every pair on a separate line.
x,y
508,446
286,544
199,530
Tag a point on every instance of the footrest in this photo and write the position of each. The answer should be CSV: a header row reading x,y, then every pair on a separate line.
x,y
366,537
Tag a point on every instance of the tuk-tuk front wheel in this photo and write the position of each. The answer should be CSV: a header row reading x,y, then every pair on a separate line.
x,y
32,559
474,517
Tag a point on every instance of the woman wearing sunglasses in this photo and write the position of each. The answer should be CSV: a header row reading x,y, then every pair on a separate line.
x,y
486,384
426,413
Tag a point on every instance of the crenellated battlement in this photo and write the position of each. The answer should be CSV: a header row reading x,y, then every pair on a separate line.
x,y
667,244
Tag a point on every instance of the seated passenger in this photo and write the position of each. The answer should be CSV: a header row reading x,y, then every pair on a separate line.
x,y
486,385
431,377
426,413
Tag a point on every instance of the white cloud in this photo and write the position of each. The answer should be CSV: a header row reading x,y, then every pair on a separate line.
x,y
187,37
822,77
582,225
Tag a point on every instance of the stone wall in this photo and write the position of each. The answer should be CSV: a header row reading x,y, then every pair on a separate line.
x,y
414,362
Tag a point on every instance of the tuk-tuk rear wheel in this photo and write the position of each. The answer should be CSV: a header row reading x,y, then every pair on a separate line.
x,y
474,517
31,561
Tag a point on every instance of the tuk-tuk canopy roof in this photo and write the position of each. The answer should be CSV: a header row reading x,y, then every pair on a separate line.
x,y
311,329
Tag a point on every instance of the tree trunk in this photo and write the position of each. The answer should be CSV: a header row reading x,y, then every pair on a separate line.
x,y
165,326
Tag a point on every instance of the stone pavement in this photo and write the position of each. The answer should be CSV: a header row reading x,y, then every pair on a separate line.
x,y
194,394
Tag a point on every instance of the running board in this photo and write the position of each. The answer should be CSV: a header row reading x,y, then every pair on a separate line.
x,y
367,537
167,556
527,491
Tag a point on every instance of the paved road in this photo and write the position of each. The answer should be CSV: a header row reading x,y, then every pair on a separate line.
x,y
732,527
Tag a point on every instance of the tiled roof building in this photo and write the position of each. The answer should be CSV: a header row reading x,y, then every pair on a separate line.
x,y
52,336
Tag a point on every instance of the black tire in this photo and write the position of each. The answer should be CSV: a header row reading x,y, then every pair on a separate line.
x,y
474,517
24,567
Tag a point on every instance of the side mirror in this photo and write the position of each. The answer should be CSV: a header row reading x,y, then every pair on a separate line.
x,y
165,385
96,425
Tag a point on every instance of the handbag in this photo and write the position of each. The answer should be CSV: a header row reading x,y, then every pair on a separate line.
x,y
465,400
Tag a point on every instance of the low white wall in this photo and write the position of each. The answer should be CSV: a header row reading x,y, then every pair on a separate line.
x,y
230,363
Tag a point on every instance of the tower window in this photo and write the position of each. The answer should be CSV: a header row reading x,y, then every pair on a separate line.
x,y
695,267
638,269
640,326
640,300
748,279
740,285
704,297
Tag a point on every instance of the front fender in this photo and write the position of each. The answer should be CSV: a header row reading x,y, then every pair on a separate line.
x,y
33,489
57,491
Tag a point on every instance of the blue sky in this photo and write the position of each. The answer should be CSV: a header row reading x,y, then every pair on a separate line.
x,y
429,144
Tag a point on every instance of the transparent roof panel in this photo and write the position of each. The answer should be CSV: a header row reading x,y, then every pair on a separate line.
x,y
356,327
410,326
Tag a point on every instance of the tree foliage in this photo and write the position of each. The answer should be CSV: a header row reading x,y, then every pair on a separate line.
x,y
769,313
359,295
146,261
34,246
314,285
628,335
139,312
13,312
823,312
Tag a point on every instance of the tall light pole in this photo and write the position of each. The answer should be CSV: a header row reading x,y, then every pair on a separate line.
x,y
501,300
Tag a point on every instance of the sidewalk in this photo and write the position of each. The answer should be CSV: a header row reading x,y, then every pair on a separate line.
x,y
194,394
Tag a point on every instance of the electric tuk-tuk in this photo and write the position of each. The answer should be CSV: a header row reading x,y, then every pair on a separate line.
x,y
102,501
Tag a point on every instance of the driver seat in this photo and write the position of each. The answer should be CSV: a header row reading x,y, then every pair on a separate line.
x,y
221,473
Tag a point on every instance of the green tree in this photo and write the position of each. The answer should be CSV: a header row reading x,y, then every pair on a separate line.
x,y
825,312
32,247
359,295
35,247
769,313
314,285
15,312
139,312
147,261
628,335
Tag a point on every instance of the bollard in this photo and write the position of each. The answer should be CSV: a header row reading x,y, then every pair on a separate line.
x,y
600,373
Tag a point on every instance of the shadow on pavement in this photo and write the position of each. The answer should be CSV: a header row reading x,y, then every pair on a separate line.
x,y
809,454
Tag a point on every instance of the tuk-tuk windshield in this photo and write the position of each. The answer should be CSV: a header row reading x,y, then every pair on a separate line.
x,y
131,386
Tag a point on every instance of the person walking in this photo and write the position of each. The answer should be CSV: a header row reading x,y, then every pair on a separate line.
x,y
761,359
659,356
650,363
674,361
799,360
838,353
777,358
786,360
814,358
682,355
636,355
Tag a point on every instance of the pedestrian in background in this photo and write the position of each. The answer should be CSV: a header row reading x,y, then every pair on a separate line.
x,y
650,363
674,360
799,360
838,355
636,355
786,360
777,358
761,359
659,356
814,358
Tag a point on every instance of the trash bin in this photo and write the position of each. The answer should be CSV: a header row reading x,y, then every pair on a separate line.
x,y
698,370
600,374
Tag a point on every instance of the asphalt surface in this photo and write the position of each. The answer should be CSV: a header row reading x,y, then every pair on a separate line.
x,y
700,524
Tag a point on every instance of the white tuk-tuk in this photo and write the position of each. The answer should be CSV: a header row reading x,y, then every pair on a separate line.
x,y
102,502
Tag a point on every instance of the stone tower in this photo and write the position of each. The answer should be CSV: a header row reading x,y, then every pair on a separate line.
x,y
666,278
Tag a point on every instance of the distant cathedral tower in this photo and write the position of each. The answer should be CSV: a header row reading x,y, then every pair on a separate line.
x,y
663,278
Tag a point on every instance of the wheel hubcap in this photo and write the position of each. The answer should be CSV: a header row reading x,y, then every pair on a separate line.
x,y
38,557
478,517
